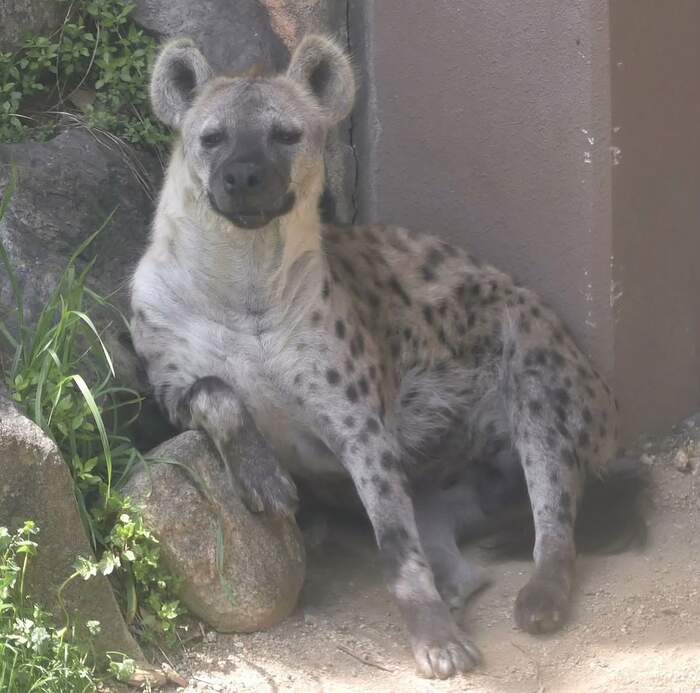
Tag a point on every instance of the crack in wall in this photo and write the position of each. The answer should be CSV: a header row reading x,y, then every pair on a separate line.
x,y
351,127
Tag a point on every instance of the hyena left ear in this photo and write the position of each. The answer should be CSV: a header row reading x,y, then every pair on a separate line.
x,y
323,68
179,70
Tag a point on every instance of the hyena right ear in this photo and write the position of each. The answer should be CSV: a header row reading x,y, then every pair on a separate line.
x,y
179,70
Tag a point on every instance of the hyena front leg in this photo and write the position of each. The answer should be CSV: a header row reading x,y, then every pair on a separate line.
x,y
438,647
212,406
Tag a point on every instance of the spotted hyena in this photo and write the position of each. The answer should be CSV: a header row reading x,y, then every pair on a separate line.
x,y
318,355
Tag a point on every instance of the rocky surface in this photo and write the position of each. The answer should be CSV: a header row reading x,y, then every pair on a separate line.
x,y
18,17
233,36
241,572
67,189
35,484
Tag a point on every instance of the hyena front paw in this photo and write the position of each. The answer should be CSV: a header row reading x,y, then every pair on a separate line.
x,y
268,488
439,648
542,605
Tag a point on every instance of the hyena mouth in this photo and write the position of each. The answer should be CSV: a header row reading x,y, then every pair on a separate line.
x,y
255,219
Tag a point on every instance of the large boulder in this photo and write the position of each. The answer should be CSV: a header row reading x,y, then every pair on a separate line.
x,y
67,188
35,484
234,36
241,572
19,17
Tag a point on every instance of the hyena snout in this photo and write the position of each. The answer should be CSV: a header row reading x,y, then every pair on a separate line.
x,y
251,192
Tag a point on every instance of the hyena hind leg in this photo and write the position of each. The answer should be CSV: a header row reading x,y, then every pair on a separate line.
x,y
439,515
554,484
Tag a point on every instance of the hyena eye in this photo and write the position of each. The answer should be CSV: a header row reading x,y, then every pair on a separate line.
x,y
286,135
212,139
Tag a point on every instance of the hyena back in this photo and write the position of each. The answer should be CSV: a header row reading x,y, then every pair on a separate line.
x,y
368,354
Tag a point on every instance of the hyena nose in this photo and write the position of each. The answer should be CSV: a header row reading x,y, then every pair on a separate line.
x,y
243,177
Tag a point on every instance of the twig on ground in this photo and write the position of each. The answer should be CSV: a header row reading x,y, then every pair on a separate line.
x,y
538,669
364,659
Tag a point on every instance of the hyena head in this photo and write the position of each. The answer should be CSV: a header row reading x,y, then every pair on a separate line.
x,y
254,144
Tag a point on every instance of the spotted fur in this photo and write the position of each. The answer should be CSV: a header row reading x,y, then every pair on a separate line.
x,y
367,361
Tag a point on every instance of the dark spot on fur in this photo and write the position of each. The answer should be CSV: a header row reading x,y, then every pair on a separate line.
x,y
399,290
363,385
340,329
351,393
349,421
372,425
326,290
315,317
428,273
557,359
332,376
535,407
388,460
347,266
569,457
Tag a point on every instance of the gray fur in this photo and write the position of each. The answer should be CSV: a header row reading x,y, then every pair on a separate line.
x,y
369,359
179,71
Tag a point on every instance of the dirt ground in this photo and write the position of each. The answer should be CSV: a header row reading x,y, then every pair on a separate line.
x,y
635,623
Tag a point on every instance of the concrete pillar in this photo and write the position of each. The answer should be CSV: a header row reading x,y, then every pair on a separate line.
x,y
491,124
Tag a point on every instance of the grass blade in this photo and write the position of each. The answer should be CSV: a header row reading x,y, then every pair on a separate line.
x,y
97,417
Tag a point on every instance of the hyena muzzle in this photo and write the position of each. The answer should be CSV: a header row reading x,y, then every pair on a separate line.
x,y
360,361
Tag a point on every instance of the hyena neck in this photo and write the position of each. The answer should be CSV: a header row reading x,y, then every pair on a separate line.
x,y
276,266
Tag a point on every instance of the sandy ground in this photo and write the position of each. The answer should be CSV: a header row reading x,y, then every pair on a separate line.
x,y
635,624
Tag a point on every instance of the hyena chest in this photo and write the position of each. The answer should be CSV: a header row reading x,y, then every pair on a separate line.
x,y
258,363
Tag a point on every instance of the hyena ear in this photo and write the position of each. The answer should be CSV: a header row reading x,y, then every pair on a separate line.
x,y
179,70
325,71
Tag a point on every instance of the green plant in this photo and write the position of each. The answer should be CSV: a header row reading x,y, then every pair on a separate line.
x,y
35,654
95,66
61,376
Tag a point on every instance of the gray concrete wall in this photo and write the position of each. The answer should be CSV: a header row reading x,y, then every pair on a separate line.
x,y
490,124
655,78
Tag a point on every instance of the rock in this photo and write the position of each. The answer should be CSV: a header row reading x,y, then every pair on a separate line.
x,y
19,17
35,484
233,36
263,563
66,190
681,462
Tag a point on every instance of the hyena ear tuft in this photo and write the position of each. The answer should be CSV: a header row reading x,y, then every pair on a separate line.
x,y
179,70
325,71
